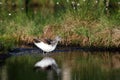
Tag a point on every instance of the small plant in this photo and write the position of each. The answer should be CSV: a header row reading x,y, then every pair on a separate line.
x,y
83,31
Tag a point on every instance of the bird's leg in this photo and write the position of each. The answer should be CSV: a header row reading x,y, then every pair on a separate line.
x,y
46,53
43,53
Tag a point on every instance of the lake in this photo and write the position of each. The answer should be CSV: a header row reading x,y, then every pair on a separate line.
x,y
72,65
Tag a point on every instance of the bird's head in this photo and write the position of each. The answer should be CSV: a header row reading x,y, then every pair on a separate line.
x,y
58,38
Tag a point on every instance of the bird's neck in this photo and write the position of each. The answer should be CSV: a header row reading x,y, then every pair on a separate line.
x,y
55,43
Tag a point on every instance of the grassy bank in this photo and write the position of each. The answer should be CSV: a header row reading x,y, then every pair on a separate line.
x,y
84,23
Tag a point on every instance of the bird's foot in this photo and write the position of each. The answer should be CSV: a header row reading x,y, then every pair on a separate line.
x,y
45,54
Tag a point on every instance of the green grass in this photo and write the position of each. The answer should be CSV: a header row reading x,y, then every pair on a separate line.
x,y
67,18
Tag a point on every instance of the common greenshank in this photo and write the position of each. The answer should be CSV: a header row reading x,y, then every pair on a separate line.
x,y
47,45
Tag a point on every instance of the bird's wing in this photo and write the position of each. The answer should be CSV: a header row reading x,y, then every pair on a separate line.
x,y
36,40
48,41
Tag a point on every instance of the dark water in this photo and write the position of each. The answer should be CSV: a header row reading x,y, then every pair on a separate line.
x,y
72,65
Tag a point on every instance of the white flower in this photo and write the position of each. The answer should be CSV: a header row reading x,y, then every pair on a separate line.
x,y
73,7
118,2
96,1
0,2
22,8
78,4
106,9
57,3
67,0
73,2
84,0
9,14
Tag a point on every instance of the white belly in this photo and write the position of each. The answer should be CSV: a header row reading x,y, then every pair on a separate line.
x,y
45,47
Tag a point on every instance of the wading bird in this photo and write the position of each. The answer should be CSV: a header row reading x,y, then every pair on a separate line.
x,y
47,45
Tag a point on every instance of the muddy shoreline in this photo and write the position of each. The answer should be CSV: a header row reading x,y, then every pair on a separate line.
x,y
18,51
70,47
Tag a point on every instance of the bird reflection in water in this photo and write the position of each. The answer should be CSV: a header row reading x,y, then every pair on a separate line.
x,y
47,64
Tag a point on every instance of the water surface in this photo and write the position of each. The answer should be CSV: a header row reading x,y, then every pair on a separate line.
x,y
73,65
